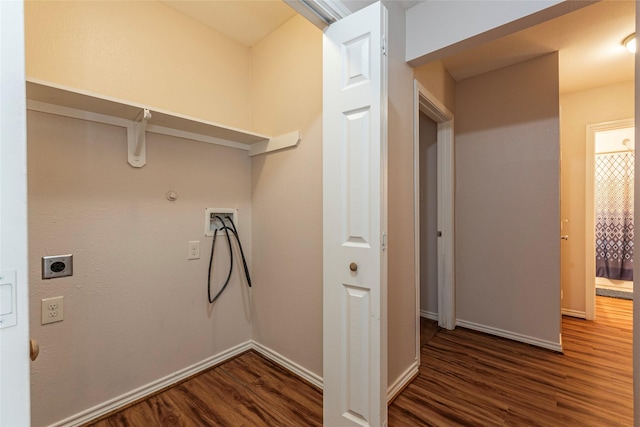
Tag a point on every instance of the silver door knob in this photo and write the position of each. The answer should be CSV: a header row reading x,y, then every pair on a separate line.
x,y
353,266
565,237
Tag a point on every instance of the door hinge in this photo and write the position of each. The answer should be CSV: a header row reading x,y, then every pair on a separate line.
x,y
384,46
384,240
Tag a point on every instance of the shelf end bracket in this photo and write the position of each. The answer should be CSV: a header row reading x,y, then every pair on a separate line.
x,y
136,139
279,142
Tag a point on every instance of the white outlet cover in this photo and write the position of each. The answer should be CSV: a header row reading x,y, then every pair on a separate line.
x,y
52,310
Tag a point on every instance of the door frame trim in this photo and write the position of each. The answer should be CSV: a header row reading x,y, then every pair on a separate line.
x,y
590,220
426,102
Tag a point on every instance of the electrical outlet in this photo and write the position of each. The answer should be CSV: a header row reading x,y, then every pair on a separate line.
x,y
52,310
194,249
57,266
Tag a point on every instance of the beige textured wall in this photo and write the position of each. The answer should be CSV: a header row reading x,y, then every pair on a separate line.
x,y
603,104
507,200
286,194
135,309
401,287
437,80
141,51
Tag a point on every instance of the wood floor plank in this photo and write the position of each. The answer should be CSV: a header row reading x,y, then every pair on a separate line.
x,y
239,403
157,410
428,329
272,383
197,399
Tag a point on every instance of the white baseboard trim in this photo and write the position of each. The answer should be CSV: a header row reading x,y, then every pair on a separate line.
x,y
574,313
132,396
429,314
276,357
555,346
402,381
139,393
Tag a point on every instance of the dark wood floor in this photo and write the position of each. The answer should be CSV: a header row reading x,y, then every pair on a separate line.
x,y
472,379
466,378
246,391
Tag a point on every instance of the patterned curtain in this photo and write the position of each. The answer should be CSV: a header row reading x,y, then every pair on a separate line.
x,y
614,215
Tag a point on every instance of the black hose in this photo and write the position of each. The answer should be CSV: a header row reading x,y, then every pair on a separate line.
x,y
233,230
244,261
213,245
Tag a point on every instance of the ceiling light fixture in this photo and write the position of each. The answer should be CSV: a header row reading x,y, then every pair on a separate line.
x,y
630,43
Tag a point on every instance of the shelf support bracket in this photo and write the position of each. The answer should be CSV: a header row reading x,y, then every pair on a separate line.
x,y
136,139
279,142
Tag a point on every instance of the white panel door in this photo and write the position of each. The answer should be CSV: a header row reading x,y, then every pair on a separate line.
x,y
354,150
14,340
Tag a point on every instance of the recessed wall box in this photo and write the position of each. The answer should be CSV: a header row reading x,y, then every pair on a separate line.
x,y
211,221
57,266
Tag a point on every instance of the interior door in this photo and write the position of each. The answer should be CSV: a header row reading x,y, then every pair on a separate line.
x,y
14,311
354,200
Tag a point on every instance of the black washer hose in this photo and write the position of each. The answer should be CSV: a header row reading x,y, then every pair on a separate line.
x,y
213,245
244,261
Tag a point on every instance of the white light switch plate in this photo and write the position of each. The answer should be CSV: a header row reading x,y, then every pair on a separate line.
x,y
8,310
194,249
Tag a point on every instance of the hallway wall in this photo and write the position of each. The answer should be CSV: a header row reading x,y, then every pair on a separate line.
x,y
507,202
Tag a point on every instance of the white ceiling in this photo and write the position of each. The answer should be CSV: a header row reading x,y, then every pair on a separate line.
x,y
589,39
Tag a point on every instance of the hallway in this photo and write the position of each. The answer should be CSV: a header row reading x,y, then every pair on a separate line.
x,y
470,378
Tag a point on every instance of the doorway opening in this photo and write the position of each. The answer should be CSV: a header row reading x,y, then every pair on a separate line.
x,y
428,195
433,210
609,211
